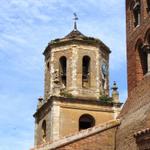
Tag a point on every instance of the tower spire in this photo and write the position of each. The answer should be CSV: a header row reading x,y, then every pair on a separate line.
x,y
75,19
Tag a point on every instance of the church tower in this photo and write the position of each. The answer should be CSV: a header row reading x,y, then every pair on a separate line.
x,y
76,87
76,65
138,40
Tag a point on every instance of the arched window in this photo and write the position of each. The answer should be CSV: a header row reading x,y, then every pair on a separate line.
x,y
148,6
141,61
137,13
86,71
44,130
86,121
63,70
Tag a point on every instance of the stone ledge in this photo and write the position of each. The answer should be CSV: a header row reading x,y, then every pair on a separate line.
x,y
79,135
75,100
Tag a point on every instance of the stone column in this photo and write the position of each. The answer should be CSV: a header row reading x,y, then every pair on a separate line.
x,y
55,116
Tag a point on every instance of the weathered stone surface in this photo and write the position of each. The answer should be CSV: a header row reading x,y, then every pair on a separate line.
x,y
74,48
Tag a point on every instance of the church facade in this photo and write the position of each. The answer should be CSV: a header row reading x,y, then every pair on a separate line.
x,y
77,111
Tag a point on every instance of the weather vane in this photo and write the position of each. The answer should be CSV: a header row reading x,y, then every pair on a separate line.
x,y
75,19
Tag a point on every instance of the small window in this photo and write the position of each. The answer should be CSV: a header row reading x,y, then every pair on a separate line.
x,y
86,72
137,13
63,70
86,121
44,130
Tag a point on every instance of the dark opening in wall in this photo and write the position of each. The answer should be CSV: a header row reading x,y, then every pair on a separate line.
x,y
86,72
63,70
48,67
137,13
141,61
86,121
148,6
44,131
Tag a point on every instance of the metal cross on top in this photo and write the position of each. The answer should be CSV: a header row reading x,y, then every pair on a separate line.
x,y
75,19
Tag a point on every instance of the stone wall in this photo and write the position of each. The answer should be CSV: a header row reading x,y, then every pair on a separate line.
x,y
44,116
62,116
74,54
70,114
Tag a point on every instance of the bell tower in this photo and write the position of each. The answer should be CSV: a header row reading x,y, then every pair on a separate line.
x,y
138,40
76,65
76,87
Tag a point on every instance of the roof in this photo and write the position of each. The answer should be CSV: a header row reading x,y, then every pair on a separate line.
x,y
76,36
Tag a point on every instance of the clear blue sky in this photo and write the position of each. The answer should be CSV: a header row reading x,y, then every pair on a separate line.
x,y
26,26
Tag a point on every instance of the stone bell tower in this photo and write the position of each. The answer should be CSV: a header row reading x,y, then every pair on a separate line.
x,y
76,87
76,65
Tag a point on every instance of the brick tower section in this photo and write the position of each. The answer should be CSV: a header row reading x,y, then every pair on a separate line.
x,y
138,35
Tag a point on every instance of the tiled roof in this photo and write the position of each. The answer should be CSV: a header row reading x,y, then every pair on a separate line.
x,y
74,34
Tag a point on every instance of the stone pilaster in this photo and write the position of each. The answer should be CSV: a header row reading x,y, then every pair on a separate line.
x,y
74,69
55,121
52,73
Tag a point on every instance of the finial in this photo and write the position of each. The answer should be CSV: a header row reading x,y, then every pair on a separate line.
x,y
114,86
75,19
115,93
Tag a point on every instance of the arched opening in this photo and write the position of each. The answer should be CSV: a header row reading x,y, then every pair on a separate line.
x,y
86,71
63,70
137,13
148,6
141,61
86,121
44,131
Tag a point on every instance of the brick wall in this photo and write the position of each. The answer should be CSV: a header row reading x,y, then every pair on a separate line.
x,y
135,116
99,141
134,34
101,137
